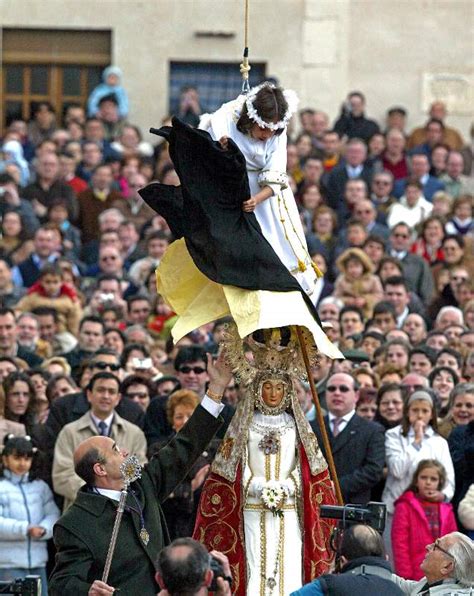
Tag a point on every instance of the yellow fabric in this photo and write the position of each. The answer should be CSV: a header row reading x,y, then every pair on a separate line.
x,y
193,296
198,300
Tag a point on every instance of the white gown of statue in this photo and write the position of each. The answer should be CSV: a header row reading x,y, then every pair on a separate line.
x,y
266,166
268,537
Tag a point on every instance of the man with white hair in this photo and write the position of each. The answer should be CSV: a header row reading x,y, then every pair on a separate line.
x,y
329,308
449,315
448,567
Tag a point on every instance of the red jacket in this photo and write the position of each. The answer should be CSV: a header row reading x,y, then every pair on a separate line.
x,y
411,533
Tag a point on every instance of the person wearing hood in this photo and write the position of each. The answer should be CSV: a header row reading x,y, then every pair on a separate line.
x,y
27,514
413,208
13,153
357,285
111,85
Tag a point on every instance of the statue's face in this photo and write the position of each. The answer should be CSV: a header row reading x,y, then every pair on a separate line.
x,y
273,392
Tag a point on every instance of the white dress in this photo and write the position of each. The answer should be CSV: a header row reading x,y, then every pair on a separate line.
x,y
266,166
269,537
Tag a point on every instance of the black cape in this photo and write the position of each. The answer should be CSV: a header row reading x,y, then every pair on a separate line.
x,y
225,243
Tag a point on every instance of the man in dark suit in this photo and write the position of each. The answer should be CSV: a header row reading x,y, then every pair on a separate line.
x,y
9,345
353,167
420,168
82,535
416,270
357,444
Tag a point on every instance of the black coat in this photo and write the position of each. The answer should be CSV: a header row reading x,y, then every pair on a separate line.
x,y
359,456
82,534
335,184
352,582
157,428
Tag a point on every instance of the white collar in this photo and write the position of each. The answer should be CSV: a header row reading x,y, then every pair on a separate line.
x,y
424,179
347,417
108,421
401,318
109,493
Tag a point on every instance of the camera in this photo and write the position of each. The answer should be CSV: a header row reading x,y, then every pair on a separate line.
x,y
218,570
30,586
372,514
106,297
142,363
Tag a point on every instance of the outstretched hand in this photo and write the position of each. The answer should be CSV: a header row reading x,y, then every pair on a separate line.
x,y
224,141
219,371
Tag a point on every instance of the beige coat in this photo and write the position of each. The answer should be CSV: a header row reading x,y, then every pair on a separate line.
x,y
65,482
466,509
69,311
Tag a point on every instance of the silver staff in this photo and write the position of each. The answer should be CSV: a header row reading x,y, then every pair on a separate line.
x,y
131,470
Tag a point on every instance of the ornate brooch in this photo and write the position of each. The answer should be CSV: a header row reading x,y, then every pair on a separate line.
x,y
270,444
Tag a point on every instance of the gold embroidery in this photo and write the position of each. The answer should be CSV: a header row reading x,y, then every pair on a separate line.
x,y
215,499
261,507
226,446
267,467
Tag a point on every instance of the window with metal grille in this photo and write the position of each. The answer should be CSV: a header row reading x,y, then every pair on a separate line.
x,y
216,82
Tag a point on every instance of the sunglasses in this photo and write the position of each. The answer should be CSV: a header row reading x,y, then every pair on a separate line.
x,y
139,394
401,236
105,366
342,388
197,370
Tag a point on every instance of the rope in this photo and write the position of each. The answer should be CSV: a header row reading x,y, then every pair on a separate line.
x,y
245,67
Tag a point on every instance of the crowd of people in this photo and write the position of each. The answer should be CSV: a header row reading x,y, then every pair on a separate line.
x,y
85,343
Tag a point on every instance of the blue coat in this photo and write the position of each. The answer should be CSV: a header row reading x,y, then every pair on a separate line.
x,y
24,504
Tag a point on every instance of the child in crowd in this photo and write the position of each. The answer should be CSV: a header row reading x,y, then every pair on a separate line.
x,y
357,285
58,214
111,85
50,290
367,404
416,438
420,518
27,514
461,222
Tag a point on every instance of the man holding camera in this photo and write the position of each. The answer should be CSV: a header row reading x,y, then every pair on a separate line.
x,y
185,566
364,571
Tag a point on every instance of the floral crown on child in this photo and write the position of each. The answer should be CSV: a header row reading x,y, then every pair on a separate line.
x,y
290,97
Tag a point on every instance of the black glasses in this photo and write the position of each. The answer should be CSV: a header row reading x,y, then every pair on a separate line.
x,y
139,394
105,366
342,388
197,370
436,545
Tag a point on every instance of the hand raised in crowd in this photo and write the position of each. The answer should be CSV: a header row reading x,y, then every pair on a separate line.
x,y
100,588
219,371
199,478
419,428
